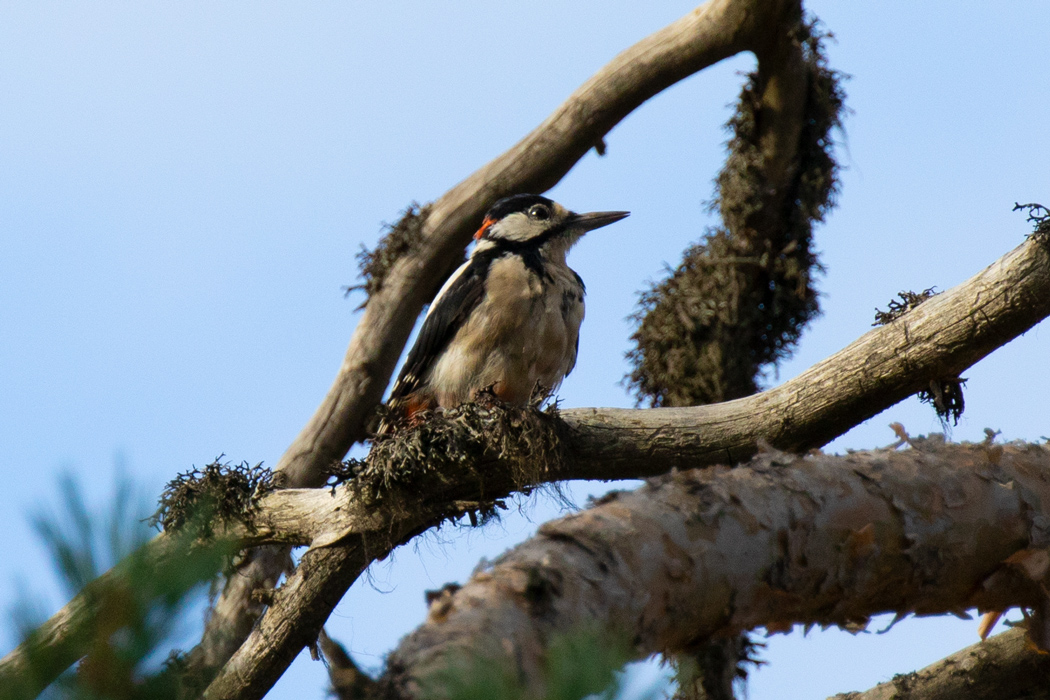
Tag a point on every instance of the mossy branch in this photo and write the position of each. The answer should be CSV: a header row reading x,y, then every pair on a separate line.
x,y
739,300
945,334
716,30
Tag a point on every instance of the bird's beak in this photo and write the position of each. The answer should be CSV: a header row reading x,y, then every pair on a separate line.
x,y
597,219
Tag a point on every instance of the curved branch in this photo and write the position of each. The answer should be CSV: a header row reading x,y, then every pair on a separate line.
x,y
714,31
701,554
939,339
942,337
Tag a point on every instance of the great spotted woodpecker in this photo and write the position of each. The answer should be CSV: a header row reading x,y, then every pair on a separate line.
x,y
508,319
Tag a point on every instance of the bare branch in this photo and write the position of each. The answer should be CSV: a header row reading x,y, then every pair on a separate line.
x,y
699,554
1005,667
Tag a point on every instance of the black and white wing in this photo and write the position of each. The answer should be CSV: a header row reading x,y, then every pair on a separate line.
x,y
449,311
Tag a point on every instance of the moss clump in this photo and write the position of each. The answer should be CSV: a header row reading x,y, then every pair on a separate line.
x,y
946,397
399,238
443,450
740,298
907,302
218,493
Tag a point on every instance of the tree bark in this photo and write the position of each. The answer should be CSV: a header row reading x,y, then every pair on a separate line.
x,y
703,554
1004,667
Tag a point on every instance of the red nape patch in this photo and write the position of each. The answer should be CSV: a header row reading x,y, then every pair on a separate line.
x,y
485,226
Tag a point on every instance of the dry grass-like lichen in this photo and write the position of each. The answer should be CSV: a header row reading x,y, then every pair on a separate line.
x,y
944,394
1039,217
908,301
448,453
398,240
218,493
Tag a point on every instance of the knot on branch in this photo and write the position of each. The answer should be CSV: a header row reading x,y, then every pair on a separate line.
x,y
220,492
469,455
741,296
398,240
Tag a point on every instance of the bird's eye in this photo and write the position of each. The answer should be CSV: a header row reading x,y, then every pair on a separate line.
x,y
540,212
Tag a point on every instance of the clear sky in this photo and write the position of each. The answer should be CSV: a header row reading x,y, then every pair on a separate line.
x,y
183,188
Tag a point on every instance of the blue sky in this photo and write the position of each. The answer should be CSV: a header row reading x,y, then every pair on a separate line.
x,y
184,186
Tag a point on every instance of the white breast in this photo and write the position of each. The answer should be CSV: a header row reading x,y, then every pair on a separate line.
x,y
523,335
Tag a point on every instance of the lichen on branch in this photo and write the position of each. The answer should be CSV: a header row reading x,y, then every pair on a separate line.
x,y
398,239
219,493
447,448
740,298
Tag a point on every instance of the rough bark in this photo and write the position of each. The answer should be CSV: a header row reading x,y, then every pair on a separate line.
x,y
1004,667
702,554
738,301
945,334
712,32
741,296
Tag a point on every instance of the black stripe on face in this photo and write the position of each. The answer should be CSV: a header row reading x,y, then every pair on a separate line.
x,y
534,243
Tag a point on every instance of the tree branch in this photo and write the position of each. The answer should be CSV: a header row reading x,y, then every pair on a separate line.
x,y
712,32
944,335
941,337
701,554
1005,667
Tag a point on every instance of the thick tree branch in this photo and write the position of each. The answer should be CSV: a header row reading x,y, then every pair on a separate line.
x,y
1004,667
940,338
704,554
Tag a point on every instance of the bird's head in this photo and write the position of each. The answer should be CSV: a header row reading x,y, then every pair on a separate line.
x,y
528,220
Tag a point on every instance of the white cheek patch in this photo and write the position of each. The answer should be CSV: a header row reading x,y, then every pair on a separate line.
x,y
516,227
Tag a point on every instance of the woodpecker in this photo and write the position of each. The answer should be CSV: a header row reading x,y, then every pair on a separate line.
x,y
509,318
